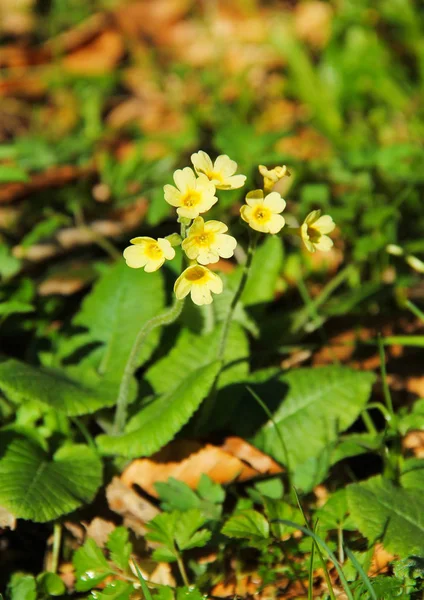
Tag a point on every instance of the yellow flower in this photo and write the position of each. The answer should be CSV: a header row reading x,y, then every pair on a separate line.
x,y
200,282
191,196
148,253
206,242
272,176
313,231
262,214
221,172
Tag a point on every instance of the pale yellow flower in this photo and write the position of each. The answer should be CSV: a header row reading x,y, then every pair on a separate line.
x,y
263,214
272,176
200,282
192,195
206,242
148,253
221,172
314,229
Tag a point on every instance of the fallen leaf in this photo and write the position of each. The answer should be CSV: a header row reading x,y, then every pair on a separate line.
x,y
99,530
98,56
380,561
313,22
414,442
256,459
135,510
7,519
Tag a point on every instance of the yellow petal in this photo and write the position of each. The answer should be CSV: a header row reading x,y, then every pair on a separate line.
x,y
202,162
135,257
324,244
276,223
182,287
215,227
324,224
225,166
200,295
172,195
167,249
254,197
225,245
185,179
275,202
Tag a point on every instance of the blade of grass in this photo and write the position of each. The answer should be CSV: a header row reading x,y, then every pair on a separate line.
x,y
386,390
321,542
321,558
146,592
362,573
277,431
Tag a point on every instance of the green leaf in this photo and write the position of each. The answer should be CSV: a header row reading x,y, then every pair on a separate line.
x,y
266,266
412,475
176,495
279,509
9,174
395,515
91,566
13,307
271,488
116,590
40,488
249,524
50,584
314,405
55,388
22,586
187,530
119,547
163,592
120,303
209,490
334,512
192,351
161,529
185,593
415,420
158,423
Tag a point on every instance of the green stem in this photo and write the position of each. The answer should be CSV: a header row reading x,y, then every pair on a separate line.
x,y
165,318
237,296
386,390
415,310
182,569
57,540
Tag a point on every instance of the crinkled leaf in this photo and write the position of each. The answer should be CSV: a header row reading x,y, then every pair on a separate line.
x,y
176,495
210,490
278,509
192,351
116,590
91,566
37,487
120,303
22,382
266,266
186,530
412,475
119,547
161,529
384,511
157,423
313,405
249,524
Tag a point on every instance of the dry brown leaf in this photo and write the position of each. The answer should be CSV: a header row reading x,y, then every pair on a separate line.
x,y
415,385
7,520
313,22
380,561
51,178
149,17
414,442
61,285
16,16
162,575
135,510
259,461
219,465
99,56
99,530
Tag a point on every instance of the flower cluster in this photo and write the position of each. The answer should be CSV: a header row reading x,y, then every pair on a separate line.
x,y
205,242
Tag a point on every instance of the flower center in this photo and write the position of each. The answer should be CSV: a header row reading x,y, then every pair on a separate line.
x,y
196,275
191,198
314,235
153,251
262,214
205,239
215,175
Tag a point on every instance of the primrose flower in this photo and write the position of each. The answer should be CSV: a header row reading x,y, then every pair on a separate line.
x,y
272,176
313,231
148,253
220,173
200,282
263,214
206,242
192,195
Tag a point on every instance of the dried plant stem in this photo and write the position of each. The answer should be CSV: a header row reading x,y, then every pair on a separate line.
x,y
165,318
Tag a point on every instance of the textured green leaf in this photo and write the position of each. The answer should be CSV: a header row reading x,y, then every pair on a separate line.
x,y
176,495
187,530
119,547
116,590
312,405
384,511
412,475
185,593
158,423
50,584
249,524
266,266
120,303
40,488
55,388
22,586
91,566
192,351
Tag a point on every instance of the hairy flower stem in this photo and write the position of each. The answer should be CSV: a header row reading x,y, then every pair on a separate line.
x,y
165,318
57,542
208,404
237,296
